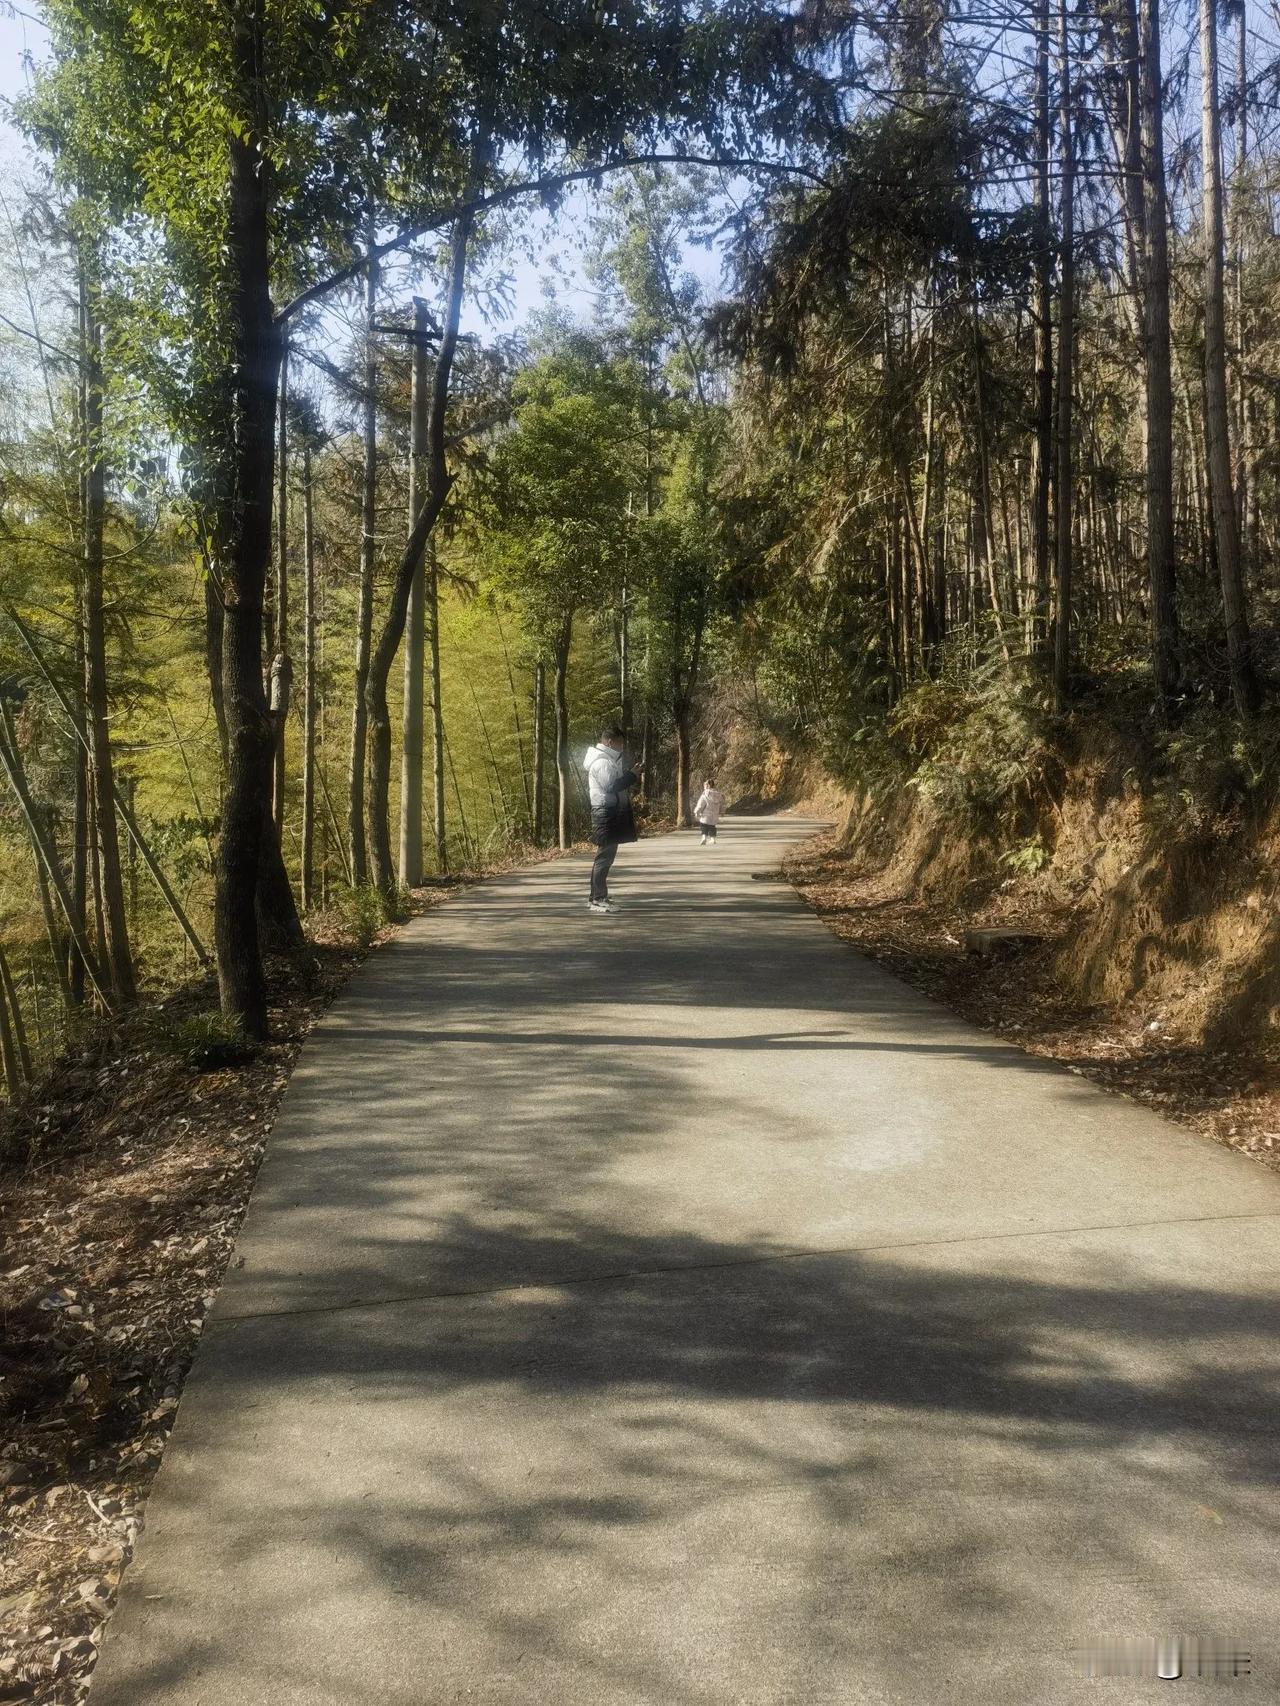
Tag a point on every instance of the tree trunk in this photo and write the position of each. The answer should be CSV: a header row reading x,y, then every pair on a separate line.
x,y
95,883
15,1008
906,582
131,852
1012,590
245,551
889,594
1042,444
79,803
684,761
648,747
9,1058
281,668
1066,356
118,959
309,697
518,726
439,482
938,546
279,926
984,520
43,846
931,618
1124,112
1244,682
1244,473
213,620
561,695
539,749
1161,535
356,837
19,1029
437,711
624,656
682,702
918,597
1206,550
56,940
411,745
122,804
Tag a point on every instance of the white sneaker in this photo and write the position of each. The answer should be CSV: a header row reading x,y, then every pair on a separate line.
x,y
597,906
703,842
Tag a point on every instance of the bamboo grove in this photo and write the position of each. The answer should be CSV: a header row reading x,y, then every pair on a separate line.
x,y
314,577
1029,367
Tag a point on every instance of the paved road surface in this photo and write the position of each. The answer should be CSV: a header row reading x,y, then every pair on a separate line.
x,y
673,1309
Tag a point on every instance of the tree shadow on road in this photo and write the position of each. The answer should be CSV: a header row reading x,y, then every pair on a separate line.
x,y
836,1463
506,1404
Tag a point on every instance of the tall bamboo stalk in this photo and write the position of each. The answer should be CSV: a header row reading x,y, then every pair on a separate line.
x,y
357,839
1066,370
539,750
281,667
11,762
10,990
1244,680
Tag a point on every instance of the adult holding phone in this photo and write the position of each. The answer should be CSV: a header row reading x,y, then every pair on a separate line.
x,y
613,822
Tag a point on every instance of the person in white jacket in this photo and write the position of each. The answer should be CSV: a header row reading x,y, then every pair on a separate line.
x,y
707,811
609,783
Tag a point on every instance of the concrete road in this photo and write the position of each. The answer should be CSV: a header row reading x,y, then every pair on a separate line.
x,y
673,1309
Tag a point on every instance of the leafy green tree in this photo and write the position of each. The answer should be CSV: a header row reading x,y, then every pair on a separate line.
x,y
254,140
553,531
685,582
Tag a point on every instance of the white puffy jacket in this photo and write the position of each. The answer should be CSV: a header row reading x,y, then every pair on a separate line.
x,y
710,805
604,766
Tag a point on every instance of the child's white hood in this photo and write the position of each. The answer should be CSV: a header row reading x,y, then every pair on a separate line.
x,y
710,805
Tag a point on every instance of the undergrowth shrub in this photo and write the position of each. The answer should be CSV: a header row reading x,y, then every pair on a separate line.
x,y
981,739
1214,766
363,910
188,1032
1028,858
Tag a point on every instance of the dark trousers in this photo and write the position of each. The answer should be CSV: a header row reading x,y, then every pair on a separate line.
x,y
600,868
709,830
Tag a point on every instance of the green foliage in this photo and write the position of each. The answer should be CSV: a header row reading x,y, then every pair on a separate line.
x,y
657,304
991,759
181,844
190,1034
980,739
363,910
396,906
1028,858
552,527
1213,766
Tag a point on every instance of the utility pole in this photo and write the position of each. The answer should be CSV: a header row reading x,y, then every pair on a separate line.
x,y
415,618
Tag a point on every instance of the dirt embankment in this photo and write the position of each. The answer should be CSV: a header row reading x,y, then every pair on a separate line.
x,y
1173,915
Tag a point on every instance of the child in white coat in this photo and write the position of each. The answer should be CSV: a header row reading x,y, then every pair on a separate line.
x,y
707,811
